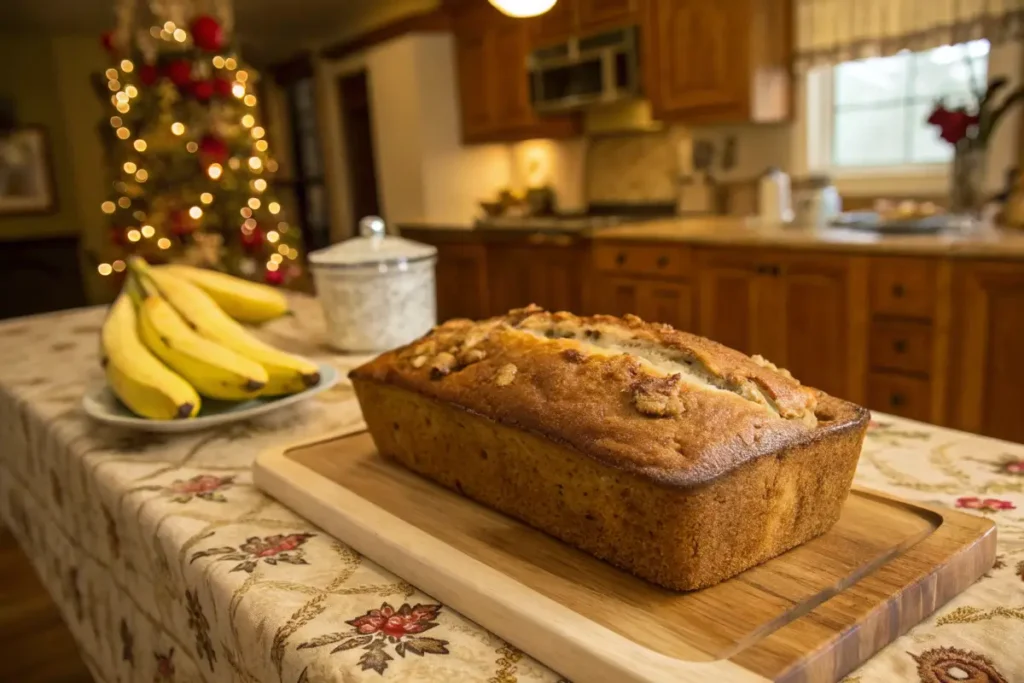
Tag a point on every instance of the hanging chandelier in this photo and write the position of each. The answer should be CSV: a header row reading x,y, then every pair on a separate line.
x,y
523,8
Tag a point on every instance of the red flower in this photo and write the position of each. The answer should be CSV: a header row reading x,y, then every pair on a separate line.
x,y
405,621
273,545
953,125
1014,467
986,505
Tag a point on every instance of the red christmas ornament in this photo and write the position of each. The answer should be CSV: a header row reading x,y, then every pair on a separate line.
x,y
180,223
207,33
107,40
222,87
180,72
202,90
148,74
213,150
273,277
253,239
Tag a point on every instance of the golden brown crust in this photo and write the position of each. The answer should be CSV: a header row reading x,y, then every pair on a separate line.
x,y
669,406
678,538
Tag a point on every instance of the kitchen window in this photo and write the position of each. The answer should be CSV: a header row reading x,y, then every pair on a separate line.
x,y
870,115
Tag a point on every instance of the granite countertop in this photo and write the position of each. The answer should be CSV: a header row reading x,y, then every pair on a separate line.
x,y
738,231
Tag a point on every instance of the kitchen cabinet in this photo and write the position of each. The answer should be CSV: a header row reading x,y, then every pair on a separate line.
x,y
461,278
909,307
494,95
547,270
581,18
989,356
652,281
796,310
599,15
660,301
554,26
718,62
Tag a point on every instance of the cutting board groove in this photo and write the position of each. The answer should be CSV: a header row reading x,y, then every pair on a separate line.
x,y
812,614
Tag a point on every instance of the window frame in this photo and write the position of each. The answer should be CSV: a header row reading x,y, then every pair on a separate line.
x,y
820,133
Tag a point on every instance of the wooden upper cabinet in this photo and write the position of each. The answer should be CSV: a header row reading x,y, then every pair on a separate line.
x,y
712,61
598,15
494,92
476,104
556,25
989,358
510,76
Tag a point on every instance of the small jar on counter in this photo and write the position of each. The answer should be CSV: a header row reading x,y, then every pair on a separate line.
x,y
377,291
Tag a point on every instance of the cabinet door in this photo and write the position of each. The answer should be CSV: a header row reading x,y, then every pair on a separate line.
x,y
816,322
696,56
618,295
990,353
596,15
461,281
549,276
513,109
556,25
727,283
473,59
668,302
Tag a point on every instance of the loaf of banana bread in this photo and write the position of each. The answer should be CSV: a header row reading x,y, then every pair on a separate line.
x,y
667,454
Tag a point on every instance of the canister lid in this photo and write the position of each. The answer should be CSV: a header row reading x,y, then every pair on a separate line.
x,y
373,247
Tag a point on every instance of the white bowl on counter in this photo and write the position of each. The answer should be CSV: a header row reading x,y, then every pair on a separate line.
x,y
377,291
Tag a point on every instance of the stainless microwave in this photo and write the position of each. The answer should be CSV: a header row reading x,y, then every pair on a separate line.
x,y
584,71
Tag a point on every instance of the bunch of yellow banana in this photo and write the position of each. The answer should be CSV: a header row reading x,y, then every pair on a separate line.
x,y
167,341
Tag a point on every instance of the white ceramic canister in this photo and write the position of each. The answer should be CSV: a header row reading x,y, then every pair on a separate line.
x,y
377,291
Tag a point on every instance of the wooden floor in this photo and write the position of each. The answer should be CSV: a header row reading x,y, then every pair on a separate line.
x,y
35,646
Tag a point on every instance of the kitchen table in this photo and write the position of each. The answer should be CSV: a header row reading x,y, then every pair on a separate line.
x,y
168,565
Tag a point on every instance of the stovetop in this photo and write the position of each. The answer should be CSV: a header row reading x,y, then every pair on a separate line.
x,y
598,216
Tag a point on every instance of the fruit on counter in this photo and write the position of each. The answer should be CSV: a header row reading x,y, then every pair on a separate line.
x,y
248,302
287,373
138,378
214,370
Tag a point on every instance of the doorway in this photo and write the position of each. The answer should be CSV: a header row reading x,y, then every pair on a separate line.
x,y
357,129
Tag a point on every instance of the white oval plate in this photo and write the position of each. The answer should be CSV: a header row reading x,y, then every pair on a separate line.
x,y
101,405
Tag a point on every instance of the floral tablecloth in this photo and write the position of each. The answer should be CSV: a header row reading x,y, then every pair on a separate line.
x,y
169,566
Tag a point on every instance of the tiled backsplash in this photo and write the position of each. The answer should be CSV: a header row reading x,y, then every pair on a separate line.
x,y
644,167
632,168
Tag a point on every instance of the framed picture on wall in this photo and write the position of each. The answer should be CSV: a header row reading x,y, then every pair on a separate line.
x,y
26,173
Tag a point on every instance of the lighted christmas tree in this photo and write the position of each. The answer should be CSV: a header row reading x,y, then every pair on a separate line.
x,y
190,164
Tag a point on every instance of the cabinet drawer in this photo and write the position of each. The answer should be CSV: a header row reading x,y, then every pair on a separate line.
x,y
904,396
642,259
903,286
901,345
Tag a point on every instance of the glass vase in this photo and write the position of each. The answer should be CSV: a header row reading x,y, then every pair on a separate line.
x,y
967,195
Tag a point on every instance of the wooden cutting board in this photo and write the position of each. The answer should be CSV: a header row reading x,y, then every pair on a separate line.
x,y
813,614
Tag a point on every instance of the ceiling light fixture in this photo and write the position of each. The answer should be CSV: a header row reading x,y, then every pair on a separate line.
x,y
523,8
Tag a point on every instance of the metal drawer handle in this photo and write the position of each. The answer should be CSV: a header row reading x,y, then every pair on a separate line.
x,y
898,291
899,346
662,261
620,258
897,400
